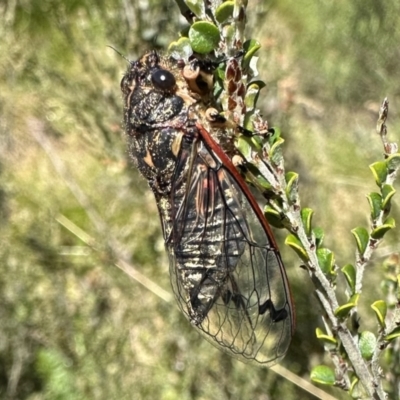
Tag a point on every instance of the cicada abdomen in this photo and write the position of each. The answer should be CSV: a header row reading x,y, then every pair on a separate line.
x,y
225,268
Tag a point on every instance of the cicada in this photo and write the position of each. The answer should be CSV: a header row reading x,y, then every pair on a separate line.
x,y
225,268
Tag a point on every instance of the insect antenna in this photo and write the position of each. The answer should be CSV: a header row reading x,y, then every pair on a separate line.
x,y
119,53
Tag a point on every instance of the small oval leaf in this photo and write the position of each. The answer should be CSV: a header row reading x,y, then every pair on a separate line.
x,y
250,47
323,374
380,231
224,11
275,135
258,82
319,236
349,273
395,333
362,238
380,309
326,260
292,180
367,344
306,218
375,204
293,242
197,7
253,175
321,335
252,93
273,217
248,121
357,389
393,162
388,192
204,37
243,144
257,142
181,49
379,170
343,310
276,151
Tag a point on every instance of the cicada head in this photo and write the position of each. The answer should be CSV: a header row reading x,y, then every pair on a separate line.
x,y
158,90
151,91
140,75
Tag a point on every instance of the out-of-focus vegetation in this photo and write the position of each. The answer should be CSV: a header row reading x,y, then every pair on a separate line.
x,y
73,325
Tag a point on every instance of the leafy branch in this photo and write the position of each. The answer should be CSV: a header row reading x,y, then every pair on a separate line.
x,y
217,32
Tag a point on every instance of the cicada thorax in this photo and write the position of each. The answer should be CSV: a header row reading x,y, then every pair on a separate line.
x,y
154,117
225,269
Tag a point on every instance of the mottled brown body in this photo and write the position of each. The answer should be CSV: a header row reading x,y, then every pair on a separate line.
x,y
225,269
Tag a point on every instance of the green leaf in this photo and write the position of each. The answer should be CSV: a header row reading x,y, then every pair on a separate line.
x,y
250,47
229,34
357,389
328,340
252,93
326,260
257,142
276,134
243,144
275,151
388,192
349,273
246,145
323,374
204,37
254,176
248,120
293,242
375,204
224,11
197,7
362,238
181,49
258,82
306,218
220,73
343,310
273,217
379,170
393,162
367,344
292,180
380,309
380,231
395,333
319,236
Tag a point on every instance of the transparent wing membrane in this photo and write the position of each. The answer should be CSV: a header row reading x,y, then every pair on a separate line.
x,y
226,272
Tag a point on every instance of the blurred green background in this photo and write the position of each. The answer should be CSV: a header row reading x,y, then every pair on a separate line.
x,y
72,207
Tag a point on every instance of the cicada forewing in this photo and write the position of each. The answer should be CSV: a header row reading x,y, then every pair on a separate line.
x,y
226,271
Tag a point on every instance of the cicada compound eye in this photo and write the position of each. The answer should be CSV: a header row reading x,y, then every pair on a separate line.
x,y
163,80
